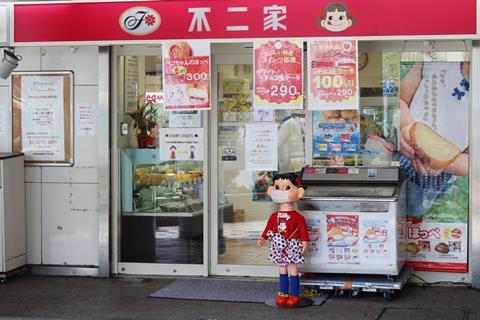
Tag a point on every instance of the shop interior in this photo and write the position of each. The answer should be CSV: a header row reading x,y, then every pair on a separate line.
x,y
163,202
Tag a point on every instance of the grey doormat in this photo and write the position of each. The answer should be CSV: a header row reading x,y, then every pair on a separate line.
x,y
223,290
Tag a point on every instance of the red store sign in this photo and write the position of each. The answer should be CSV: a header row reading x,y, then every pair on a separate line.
x,y
212,19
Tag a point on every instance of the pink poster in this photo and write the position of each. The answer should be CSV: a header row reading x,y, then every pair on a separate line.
x,y
333,76
186,75
278,69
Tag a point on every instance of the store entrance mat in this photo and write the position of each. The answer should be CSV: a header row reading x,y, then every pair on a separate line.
x,y
422,314
224,290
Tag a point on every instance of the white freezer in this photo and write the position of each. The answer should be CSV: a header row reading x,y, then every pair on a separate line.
x,y
356,225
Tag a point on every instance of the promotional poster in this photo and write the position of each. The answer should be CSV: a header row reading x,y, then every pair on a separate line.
x,y
332,75
186,75
278,74
437,102
342,238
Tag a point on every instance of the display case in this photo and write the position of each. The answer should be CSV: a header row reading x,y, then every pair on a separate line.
x,y
160,188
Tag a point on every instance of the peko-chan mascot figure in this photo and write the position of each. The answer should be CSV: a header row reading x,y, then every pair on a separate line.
x,y
287,231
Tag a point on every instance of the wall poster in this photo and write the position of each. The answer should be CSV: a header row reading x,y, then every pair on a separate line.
x,y
435,97
42,117
186,75
278,74
332,75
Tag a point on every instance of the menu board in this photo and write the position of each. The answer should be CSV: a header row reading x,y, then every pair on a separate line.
x,y
42,117
332,75
278,73
186,75
261,149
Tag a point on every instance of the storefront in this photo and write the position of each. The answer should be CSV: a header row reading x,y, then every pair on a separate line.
x,y
181,191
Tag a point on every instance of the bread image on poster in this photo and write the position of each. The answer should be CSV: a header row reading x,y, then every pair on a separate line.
x,y
432,148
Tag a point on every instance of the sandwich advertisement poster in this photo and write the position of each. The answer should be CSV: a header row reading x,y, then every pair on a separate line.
x,y
332,75
435,102
342,239
186,75
278,70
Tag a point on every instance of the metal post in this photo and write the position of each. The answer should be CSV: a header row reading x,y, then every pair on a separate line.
x,y
104,162
474,263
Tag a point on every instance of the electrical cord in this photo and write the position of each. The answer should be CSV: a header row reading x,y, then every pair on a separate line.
x,y
459,283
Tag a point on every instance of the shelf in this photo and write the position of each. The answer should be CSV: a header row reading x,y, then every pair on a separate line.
x,y
163,214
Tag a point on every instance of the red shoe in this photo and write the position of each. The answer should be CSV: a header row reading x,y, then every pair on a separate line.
x,y
293,301
281,299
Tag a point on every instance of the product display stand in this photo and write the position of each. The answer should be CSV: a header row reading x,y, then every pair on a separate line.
x,y
304,302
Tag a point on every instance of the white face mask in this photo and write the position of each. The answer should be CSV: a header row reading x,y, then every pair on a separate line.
x,y
279,196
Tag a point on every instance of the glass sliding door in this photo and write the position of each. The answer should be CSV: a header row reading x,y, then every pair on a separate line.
x,y
241,198
162,199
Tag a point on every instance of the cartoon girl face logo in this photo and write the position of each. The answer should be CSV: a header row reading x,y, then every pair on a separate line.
x,y
336,17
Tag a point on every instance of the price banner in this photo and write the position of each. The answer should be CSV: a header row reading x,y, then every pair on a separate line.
x,y
278,69
333,75
186,75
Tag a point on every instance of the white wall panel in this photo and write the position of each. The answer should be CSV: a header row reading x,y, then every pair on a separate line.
x,y
69,224
5,120
33,207
86,151
33,174
83,62
30,61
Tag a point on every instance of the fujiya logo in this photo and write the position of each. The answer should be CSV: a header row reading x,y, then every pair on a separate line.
x,y
140,20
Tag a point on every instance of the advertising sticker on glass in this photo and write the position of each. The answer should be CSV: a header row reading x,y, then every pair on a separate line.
x,y
278,74
186,75
434,110
332,75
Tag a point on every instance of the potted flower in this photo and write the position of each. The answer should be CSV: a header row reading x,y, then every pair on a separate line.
x,y
144,122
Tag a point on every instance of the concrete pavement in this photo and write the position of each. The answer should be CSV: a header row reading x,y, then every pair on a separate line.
x,y
39,297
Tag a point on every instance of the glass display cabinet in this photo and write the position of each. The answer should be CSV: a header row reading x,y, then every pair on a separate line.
x,y
160,188
162,208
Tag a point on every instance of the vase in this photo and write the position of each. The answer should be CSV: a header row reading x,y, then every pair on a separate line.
x,y
145,142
